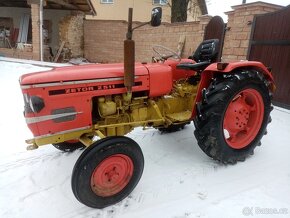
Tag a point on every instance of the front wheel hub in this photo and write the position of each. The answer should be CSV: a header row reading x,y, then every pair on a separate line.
x,y
243,118
112,175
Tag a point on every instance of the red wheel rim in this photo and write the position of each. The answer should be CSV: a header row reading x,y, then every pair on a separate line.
x,y
112,175
243,118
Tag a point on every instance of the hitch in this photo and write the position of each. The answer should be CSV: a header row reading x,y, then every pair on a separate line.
x,y
32,145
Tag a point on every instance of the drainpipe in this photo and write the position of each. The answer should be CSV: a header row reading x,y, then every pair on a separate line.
x,y
40,29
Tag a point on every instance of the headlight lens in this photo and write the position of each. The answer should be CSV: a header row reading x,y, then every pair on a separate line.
x,y
36,104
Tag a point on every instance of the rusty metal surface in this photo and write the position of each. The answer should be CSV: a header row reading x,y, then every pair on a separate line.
x,y
129,63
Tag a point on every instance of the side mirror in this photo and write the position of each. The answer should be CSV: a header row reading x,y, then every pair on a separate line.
x,y
156,16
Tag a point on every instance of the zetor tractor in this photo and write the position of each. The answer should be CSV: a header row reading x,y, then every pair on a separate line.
x,y
229,103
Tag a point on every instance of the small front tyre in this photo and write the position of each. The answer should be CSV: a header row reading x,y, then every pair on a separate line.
x,y
107,171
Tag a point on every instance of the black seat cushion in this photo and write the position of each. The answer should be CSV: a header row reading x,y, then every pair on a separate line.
x,y
206,51
196,67
205,54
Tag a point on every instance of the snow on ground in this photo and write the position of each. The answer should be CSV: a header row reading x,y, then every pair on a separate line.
x,y
179,181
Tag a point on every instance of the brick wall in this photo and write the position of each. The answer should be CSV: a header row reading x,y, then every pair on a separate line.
x,y
239,29
35,19
168,35
7,52
104,39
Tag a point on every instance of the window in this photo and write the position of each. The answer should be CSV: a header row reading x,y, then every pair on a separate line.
x,y
160,2
107,1
6,32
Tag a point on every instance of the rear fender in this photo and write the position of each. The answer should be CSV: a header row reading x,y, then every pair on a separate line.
x,y
211,70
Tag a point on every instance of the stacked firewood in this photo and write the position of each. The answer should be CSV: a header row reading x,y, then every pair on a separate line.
x,y
71,32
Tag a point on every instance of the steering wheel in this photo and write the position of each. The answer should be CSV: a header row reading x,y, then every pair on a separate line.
x,y
164,53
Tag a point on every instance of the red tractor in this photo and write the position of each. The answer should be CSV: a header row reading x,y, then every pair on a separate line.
x,y
229,103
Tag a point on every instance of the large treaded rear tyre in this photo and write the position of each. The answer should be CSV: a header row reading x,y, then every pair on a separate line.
x,y
107,171
233,116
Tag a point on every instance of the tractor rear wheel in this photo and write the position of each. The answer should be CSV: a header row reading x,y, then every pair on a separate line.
x,y
107,171
233,116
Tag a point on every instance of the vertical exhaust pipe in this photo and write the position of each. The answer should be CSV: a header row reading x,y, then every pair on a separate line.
x,y
129,56
129,49
129,64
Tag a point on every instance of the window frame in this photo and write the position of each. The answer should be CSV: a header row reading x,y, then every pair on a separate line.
x,y
160,2
107,2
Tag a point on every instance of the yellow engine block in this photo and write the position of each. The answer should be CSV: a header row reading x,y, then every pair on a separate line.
x,y
118,115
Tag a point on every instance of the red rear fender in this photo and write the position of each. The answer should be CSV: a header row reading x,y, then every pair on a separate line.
x,y
212,69
242,64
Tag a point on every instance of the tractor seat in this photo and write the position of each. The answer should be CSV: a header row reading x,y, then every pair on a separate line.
x,y
205,54
196,67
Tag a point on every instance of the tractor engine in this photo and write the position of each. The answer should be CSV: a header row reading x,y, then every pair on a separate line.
x,y
118,115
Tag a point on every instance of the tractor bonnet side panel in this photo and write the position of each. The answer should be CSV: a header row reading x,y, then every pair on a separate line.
x,y
67,105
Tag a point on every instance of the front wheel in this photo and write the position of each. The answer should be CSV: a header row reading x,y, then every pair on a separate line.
x,y
107,171
233,116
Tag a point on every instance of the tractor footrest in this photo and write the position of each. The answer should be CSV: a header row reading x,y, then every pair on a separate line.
x,y
181,116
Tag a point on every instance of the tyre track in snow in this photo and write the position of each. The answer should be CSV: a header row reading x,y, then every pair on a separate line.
x,y
202,191
27,161
210,193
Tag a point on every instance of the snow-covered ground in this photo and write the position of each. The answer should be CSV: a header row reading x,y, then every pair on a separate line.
x,y
178,181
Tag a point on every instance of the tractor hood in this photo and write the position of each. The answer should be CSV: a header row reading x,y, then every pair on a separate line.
x,y
78,73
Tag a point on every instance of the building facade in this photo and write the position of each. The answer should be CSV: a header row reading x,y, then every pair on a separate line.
x,y
118,9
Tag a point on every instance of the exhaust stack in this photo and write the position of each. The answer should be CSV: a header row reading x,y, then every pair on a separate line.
x,y
129,48
129,56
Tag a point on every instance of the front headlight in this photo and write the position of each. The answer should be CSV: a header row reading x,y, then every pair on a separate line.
x,y
36,104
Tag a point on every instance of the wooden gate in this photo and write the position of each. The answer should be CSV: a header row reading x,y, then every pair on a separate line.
x,y
215,29
270,44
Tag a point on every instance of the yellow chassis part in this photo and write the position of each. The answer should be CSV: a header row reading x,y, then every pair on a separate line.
x,y
56,138
82,135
